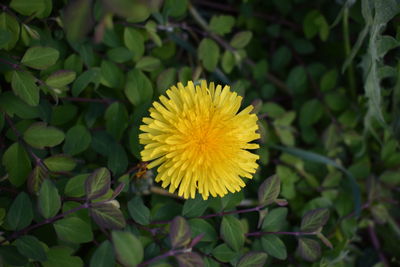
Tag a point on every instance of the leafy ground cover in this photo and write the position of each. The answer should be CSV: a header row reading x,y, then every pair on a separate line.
x,y
78,77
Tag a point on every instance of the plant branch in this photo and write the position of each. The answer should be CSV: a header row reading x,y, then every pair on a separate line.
x,y
258,208
165,255
218,214
29,228
37,159
87,100
12,65
280,233
231,9
376,244
197,17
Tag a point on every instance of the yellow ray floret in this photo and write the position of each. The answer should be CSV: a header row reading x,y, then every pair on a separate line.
x,y
199,140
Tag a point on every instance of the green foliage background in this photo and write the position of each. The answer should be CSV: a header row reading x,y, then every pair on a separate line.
x,y
78,76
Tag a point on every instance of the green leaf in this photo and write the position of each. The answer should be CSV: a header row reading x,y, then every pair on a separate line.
x,y
311,112
310,28
310,156
208,53
138,88
185,74
221,24
30,247
166,79
74,63
40,57
201,226
20,213
228,61
74,230
328,81
92,75
116,119
35,8
60,163
119,54
24,86
107,215
62,114
148,63
314,219
274,246
117,159
9,24
36,178
13,105
39,135
5,37
253,259
103,256
61,257
98,183
269,190
134,41
194,207
223,253
75,186
323,27
275,220
297,80
77,140
384,12
134,11
77,20
49,201
138,211
128,248
17,164
179,232
390,177
232,232
309,249
111,75
11,256
175,8
229,201
241,39
61,78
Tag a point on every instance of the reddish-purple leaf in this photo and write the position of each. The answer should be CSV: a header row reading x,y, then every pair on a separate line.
x,y
179,232
190,259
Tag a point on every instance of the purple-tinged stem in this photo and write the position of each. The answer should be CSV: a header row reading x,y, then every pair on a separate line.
x,y
27,229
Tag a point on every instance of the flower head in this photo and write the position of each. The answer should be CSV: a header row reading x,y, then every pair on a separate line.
x,y
199,140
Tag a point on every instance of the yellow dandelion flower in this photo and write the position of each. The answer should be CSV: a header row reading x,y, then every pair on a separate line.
x,y
199,140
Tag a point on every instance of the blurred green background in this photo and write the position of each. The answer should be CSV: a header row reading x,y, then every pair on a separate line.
x,y
78,76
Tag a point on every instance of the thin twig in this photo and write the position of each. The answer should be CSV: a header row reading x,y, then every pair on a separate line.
x,y
197,17
27,229
279,233
316,88
165,255
231,9
86,100
377,245
38,160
